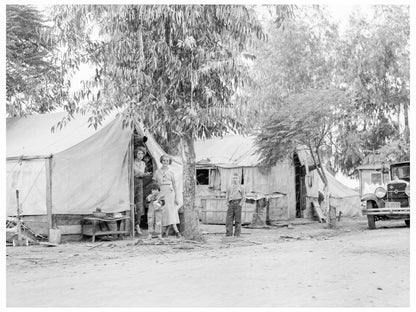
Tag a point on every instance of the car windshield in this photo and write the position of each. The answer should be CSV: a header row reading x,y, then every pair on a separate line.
x,y
402,172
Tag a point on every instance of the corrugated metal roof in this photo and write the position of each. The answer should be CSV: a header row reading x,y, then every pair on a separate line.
x,y
229,151
305,157
371,166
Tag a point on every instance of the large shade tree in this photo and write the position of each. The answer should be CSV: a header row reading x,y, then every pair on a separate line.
x,y
175,68
308,119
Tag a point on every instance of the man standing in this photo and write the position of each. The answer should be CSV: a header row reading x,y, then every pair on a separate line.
x,y
235,198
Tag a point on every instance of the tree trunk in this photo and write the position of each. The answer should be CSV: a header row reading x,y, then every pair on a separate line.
x,y
330,211
406,123
191,226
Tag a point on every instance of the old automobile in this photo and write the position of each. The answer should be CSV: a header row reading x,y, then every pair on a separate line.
x,y
385,192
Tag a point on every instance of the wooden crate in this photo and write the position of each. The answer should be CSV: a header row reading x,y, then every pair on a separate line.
x,y
277,209
214,211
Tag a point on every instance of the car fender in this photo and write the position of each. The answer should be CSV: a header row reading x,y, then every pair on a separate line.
x,y
371,197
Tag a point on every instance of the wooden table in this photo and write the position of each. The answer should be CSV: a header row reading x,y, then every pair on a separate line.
x,y
98,223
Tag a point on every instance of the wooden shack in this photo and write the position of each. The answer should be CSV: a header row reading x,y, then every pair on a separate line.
x,y
218,159
289,186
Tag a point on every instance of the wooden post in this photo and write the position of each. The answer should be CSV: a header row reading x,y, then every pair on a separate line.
x,y
48,171
332,215
28,157
131,183
19,220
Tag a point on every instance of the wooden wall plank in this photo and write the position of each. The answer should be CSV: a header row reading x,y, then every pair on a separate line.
x,y
70,229
48,171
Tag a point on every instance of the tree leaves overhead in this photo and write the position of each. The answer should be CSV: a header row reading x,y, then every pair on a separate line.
x,y
307,119
176,66
283,13
296,57
34,82
374,59
370,61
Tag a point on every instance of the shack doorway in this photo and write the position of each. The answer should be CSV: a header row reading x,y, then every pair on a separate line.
x,y
300,173
142,185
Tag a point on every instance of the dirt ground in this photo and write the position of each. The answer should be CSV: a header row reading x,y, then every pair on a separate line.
x,y
301,265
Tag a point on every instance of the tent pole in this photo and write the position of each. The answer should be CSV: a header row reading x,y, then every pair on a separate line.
x,y
131,180
48,167
28,157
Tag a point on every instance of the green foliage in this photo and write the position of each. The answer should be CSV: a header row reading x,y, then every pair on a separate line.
x,y
370,61
296,57
374,63
33,81
281,13
176,67
391,152
306,119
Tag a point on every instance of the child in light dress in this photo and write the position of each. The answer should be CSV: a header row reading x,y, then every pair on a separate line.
x,y
154,214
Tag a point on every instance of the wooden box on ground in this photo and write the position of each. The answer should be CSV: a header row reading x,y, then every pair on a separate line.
x,y
214,211
277,208
260,212
309,212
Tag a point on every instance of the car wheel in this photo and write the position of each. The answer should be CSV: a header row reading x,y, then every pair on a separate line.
x,y
371,222
407,222
371,219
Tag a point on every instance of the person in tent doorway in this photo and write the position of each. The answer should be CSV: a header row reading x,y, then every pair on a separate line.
x,y
165,178
235,198
139,168
154,214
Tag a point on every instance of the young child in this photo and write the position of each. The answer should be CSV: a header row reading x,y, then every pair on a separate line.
x,y
154,214
235,197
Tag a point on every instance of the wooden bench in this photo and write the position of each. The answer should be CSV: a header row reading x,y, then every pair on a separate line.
x,y
97,226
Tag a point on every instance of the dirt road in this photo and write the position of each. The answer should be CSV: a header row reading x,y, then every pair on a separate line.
x,y
307,266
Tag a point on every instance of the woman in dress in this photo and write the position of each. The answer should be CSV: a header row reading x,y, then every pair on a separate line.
x,y
165,178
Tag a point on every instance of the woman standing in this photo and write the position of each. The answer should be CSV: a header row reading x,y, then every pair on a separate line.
x,y
165,178
139,168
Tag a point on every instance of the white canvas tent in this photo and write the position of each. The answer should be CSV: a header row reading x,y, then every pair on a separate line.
x,y
74,170
345,199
